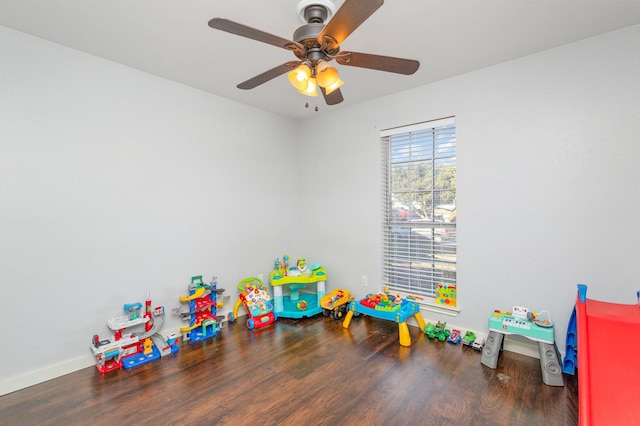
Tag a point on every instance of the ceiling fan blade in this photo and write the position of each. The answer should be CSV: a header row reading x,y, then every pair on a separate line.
x,y
378,62
268,75
351,14
254,34
332,98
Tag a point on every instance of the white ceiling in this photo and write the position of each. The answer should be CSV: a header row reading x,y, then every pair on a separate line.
x,y
171,39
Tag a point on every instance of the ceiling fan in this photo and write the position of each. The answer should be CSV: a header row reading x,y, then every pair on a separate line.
x,y
316,45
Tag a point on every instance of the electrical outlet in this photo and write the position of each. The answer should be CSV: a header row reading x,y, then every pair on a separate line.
x,y
365,281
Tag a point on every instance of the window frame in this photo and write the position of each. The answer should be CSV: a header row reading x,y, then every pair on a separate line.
x,y
421,243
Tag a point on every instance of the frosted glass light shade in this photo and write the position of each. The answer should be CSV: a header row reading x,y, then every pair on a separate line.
x,y
311,89
326,74
299,77
334,86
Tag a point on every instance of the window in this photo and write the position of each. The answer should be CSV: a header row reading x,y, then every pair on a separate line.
x,y
419,213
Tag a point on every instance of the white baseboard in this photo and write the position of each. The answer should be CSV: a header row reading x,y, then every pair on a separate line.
x,y
49,372
44,374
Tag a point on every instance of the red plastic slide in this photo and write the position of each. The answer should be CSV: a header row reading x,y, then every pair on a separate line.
x,y
608,361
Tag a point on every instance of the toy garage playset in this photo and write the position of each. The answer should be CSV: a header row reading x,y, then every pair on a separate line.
x,y
200,309
127,349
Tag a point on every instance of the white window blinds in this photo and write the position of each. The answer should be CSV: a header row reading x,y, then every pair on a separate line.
x,y
419,211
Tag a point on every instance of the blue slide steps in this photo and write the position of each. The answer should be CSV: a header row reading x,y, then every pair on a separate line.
x,y
570,358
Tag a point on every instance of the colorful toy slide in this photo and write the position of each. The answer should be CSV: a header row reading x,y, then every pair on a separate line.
x,y
608,361
198,293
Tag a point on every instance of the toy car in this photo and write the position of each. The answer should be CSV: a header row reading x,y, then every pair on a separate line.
x,y
428,329
336,303
478,344
443,335
454,337
469,338
438,331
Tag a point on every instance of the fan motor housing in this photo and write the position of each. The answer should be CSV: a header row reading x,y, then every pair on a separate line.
x,y
307,35
315,14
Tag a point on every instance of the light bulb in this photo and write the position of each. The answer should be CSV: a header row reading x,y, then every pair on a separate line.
x,y
299,77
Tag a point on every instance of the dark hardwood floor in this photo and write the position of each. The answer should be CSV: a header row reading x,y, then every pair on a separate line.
x,y
305,372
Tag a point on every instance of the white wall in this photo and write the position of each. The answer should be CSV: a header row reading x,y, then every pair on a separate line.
x,y
548,149
115,183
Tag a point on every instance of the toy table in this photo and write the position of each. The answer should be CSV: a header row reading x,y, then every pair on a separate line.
x,y
286,306
501,324
405,310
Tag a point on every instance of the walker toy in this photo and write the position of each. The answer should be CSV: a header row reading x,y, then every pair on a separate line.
x,y
257,302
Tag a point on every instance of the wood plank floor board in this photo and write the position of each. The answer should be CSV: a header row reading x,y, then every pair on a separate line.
x,y
309,371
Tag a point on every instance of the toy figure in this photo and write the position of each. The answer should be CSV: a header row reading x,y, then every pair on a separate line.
x,y
302,267
285,265
277,270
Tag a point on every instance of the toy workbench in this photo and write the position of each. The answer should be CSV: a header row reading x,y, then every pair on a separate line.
x,y
502,323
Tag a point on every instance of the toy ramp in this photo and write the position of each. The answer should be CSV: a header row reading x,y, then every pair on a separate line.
x,y
608,362
196,295
161,344
157,325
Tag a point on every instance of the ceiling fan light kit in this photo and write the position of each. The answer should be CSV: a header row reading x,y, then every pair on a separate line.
x,y
315,44
306,80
